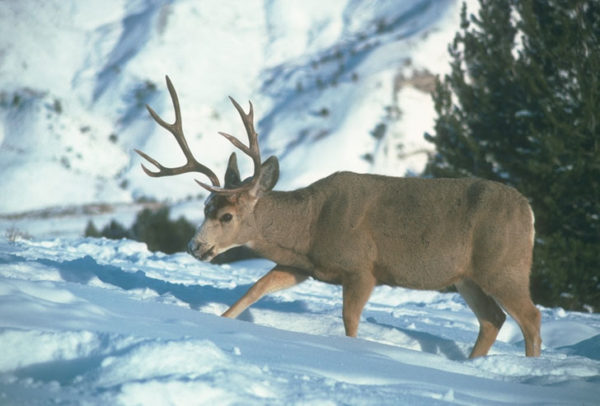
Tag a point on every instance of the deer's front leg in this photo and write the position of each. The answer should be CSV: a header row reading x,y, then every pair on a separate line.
x,y
356,292
278,278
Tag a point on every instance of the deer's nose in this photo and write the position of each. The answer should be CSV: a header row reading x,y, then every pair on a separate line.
x,y
193,247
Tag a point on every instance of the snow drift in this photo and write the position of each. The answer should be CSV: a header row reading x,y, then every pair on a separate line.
x,y
93,321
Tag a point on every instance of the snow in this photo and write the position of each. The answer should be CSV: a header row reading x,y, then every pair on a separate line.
x,y
75,76
96,321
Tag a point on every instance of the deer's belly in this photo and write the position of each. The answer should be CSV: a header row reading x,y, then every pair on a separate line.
x,y
328,275
412,276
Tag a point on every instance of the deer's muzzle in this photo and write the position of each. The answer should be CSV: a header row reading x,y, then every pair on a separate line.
x,y
201,251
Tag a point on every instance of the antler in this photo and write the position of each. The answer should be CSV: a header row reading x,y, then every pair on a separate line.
x,y
176,129
192,165
252,150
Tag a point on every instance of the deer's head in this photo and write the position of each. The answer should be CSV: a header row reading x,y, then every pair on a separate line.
x,y
228,212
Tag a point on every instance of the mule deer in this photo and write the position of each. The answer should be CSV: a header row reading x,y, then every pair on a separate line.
x,y
361,230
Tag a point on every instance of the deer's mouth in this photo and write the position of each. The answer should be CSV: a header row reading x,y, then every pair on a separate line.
x,y
207,254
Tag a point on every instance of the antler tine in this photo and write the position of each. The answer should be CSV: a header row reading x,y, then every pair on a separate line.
x,y
192,165
153,162
248,120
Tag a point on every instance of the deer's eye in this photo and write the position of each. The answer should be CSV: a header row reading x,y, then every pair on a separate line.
x,y
226,218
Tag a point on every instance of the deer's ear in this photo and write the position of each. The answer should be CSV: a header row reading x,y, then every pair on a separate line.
x,y
269,174
232,174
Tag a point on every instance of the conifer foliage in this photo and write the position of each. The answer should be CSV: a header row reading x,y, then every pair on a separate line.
x,y
522,106
154,227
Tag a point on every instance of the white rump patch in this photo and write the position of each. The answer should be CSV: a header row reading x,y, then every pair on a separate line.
x,y
532,226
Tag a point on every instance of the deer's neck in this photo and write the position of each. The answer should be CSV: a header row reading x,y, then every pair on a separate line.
x,y
284,222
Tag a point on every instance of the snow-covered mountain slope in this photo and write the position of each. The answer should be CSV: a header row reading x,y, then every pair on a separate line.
x,y
102,322
331,83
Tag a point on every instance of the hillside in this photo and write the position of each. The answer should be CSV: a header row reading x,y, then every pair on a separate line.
x,y
336,85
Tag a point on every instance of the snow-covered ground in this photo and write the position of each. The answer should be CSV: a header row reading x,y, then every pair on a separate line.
x,y
93,321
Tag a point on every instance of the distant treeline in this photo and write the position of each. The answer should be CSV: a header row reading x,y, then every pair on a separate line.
x,y
162,234
152,227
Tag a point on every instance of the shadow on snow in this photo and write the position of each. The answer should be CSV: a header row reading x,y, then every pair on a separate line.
x,y
82,270
428,342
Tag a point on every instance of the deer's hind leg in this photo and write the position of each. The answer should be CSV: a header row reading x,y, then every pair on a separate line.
x,y
516,300
489,314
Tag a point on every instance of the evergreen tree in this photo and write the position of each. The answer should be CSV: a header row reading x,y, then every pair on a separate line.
x,y
522,106
152,227
160,233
